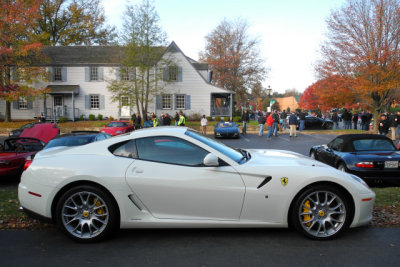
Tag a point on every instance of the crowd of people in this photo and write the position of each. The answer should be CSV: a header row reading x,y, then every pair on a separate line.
x,y
151,120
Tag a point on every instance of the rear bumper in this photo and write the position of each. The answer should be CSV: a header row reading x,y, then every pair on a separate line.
x,y
35,215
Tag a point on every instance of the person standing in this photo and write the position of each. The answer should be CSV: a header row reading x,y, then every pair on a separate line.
x,y
261,122
335,120
137,121
155,121
292,125
398,124
166,120
182,120
393,125
384,125
302,117
283,116
245,120
203,124
275,117
364,120
270,121
355,120
176,118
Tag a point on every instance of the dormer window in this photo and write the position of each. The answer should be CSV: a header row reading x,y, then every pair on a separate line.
x,y
57,74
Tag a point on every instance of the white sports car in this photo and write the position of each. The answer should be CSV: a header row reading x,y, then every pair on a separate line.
x,y
175,177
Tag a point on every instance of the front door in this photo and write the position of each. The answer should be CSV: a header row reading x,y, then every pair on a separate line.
x,y
125,107
58,105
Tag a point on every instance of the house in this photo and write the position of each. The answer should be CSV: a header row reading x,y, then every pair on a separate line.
x,y
79,76
289,102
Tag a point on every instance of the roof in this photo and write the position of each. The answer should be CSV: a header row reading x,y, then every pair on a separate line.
x,y
348,138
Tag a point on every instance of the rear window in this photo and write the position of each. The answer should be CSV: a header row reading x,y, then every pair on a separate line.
x,y
70,141
373,144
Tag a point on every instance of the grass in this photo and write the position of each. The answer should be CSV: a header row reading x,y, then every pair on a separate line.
x,y
387,200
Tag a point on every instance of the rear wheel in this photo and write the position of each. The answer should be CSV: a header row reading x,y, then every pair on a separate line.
x,y
321,212
312,155
87,214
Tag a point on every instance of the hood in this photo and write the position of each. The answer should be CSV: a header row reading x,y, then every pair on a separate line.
x,y
272,157
42,131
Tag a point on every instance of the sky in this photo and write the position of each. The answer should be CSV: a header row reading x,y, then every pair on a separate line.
x,y
290,31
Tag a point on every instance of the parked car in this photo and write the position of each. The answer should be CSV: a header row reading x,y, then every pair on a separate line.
x,y
226,129
17,132
369,156
15,151
175,177
314,123
77,138
117,127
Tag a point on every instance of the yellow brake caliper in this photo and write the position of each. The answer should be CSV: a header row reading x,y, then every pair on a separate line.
x,y
307,217
98,204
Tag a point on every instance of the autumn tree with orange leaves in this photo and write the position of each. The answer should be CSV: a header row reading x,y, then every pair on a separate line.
x,y
234,57
363,50
18,51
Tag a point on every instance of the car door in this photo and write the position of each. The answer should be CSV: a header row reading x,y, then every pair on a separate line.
x,y
328,154
170,180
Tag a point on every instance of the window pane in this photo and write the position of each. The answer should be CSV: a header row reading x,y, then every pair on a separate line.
x,y
57,74
180,101
22,103
170,150
125,149
166,102
124,101
94,76
173,73
94,102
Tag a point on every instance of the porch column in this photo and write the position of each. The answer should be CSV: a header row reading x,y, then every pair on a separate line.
x,y
44,106
73,106
231,107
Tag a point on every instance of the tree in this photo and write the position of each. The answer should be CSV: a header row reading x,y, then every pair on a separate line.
x,y
234,57
309,99
73,22
145,45
19,51
363,47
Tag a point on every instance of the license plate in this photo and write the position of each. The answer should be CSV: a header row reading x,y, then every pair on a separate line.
x,y
391,164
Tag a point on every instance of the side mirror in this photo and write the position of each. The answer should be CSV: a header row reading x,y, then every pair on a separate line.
x,y
211,160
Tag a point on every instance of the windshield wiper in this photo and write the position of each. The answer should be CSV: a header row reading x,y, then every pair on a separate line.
x,y
246,155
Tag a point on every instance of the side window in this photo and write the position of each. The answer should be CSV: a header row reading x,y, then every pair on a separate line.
x,y
337,144
170,150
125,149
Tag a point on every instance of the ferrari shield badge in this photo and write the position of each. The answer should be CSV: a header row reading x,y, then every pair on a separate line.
x,y
284,181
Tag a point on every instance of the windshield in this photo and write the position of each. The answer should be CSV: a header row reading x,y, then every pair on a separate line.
x,y
373,144
70,141
224,149
116,124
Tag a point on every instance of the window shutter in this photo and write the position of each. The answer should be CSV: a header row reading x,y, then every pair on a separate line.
x,y
101,74
187,102
158,102
29,104
118,74
180,74
165,74
87,74
87,102
15,104
64,74
102,102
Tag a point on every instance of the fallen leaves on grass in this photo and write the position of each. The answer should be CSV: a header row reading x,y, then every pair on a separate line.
x,y
388,216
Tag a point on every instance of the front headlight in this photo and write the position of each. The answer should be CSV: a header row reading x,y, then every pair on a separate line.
x,y
358,179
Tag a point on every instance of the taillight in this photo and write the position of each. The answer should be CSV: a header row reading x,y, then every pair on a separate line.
x,y
27,164
365,165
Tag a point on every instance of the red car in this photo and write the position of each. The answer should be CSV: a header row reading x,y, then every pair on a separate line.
x,y
16,151
117,127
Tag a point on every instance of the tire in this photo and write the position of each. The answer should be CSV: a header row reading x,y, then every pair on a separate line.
x,y
321,212
87,214
329,126
313,155
342,167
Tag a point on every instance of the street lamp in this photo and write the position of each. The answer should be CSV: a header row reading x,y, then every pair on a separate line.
x,y
269,91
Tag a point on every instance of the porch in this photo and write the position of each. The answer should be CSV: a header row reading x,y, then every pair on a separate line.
x,y
62,103
221,105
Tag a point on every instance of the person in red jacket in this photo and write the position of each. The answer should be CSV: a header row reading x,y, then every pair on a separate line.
x,y
270,121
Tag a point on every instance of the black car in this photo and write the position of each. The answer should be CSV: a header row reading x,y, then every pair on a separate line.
x,y
312,122
372,157
17,132
77,138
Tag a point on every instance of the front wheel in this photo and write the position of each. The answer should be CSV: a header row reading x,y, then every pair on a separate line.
x,y
342,167
321,212
87,214
312,155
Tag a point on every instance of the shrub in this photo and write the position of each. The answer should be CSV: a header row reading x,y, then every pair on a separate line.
x,y
209,118
195,117
217,119
227,119
237,119
82,117
62,119
92,117
111,118
100,117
